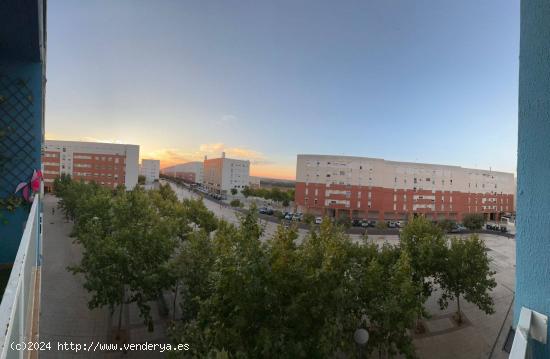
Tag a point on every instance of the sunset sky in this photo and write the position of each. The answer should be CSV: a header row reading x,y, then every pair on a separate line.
x,y
429,81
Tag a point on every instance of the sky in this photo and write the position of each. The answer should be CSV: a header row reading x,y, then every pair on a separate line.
x,y
422,81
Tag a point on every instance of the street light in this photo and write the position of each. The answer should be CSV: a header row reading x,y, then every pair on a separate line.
x,y
361,337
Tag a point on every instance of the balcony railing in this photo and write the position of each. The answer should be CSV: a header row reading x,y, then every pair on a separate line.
x,y
532,326
20,303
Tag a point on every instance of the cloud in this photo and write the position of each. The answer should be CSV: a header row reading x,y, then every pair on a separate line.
x,y
172,156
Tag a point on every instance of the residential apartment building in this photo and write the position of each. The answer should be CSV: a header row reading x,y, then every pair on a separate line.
x,y
371,188
109,164
255,182
150,169
223,174
190,172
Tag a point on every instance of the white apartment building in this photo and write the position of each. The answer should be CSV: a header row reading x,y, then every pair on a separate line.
x,y
223,174
109,164
150,169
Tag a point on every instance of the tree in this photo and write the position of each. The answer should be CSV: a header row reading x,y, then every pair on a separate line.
x,y
466,272
141,179
473,221
235,203
127,240
287,299
234,191
246,192
425,246
390,302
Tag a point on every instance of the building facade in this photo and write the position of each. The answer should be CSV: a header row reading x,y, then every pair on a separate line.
x,y
150,169
255,182
223,174
109,164
371,188
190,172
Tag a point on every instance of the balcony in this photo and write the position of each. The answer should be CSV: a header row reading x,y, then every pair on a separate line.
x,y
20,304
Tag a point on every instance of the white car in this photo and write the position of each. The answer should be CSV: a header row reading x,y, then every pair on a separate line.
x,y
318,220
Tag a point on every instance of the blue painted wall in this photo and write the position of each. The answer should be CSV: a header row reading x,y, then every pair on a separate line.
x,y
10,232
533,207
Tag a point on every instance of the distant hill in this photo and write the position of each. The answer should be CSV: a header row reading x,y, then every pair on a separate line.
x,y
275,182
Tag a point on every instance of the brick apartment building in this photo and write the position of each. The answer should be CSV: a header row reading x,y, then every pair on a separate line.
x,y
371,188
108,164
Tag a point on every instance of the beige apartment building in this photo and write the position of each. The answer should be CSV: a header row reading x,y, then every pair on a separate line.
x,y
373,188
222,174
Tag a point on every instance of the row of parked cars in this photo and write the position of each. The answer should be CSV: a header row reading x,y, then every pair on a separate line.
x,y
496,227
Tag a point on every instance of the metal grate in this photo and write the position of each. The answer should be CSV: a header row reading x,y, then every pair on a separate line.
x,y
16,132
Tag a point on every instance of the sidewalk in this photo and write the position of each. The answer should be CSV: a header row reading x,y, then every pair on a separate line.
x,y
65,316
64,313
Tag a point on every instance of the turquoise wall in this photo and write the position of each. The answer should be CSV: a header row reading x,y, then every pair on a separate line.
x,y
11,231
533,203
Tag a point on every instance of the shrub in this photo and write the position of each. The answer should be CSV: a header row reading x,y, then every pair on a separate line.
x,y
446,225
235,203
381,225
308,218
344,222
473,221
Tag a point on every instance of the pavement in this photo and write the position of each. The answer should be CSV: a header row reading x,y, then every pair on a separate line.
x,y
64,313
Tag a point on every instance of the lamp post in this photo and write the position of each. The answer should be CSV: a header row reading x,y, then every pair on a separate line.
x,y
361,337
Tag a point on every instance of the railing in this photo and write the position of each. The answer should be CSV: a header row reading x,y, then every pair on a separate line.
x,y
20,303
532,326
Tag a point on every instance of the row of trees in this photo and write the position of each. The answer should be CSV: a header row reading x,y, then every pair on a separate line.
x,y
128,239
242,297
285,298
274,194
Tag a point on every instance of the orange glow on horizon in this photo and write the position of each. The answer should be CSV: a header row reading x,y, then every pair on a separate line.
x,y
268,171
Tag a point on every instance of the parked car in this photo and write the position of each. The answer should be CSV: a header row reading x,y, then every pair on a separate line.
x,y
289,216
400,224
262,210
391,224
368,223
297,217
457,228
318,220
357,223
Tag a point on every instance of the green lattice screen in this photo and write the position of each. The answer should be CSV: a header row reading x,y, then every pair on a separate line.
x,y
16,132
